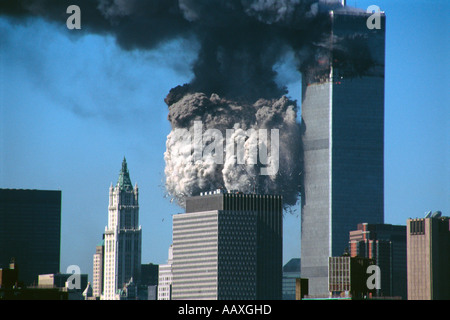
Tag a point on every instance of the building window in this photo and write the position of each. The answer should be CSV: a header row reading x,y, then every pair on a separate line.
x,y
417,227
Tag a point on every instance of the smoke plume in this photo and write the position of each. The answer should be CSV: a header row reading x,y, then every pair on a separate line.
x,y
185,176
234,83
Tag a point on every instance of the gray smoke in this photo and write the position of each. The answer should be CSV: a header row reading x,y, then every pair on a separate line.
x,y
234,83
186,177
239,40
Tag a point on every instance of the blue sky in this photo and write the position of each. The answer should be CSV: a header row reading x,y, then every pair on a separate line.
x,y
72,107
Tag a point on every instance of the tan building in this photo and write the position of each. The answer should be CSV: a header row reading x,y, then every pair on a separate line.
x,y
428,257
98,270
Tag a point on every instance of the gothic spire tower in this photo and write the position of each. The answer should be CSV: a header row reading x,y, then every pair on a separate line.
x,y
123,236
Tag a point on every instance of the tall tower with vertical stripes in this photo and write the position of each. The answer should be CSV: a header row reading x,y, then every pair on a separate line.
x,y
343,143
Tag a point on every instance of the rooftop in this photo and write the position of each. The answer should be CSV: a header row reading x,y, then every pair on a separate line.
x,y
124,182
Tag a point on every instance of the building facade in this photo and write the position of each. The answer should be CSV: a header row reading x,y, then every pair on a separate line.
x,y
343,144
165,278
348,277
64,280
98,266
123,237
30,232
428,241
291,272
228,246
386,244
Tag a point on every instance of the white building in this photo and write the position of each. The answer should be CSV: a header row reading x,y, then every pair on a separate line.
x,y
123,236
165,278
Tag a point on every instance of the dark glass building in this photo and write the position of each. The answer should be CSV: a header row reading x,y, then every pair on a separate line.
x,y
30,232
343,143
386,244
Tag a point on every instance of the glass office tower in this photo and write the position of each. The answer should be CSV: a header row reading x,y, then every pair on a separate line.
x,y
30,232
343,143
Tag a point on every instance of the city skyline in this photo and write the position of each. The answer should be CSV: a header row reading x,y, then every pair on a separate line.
x,y
67,135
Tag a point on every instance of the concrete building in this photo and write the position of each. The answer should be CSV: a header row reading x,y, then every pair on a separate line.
x,y
343,143
30,232
152,292
123,237
165,278
228,246
428,256
98,266
386,244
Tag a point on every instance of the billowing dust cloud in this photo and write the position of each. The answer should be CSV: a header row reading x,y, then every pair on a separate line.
x,y
185,176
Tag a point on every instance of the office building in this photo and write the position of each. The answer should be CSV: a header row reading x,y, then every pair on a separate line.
x,y
30,232
348,277
165,278
73,284
228,246
428,256
386,244
152,292
291,272
98,266
343,143
149,274
63,280
148,281
123,237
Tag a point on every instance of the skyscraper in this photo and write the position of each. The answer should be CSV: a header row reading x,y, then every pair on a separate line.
x,y
343,143
228,246
123,236
428,242
30,232
386,244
